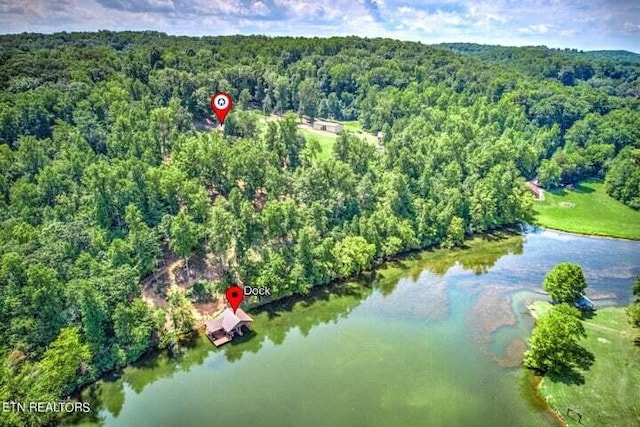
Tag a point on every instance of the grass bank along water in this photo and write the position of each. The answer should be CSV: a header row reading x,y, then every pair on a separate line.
x,y
416,341
607,393
588,209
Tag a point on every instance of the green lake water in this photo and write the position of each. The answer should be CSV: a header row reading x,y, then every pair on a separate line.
x,y
432,340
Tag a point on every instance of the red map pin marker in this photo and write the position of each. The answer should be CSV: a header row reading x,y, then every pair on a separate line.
x,y
234,295
221,103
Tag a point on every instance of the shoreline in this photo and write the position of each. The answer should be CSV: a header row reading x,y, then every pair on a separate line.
x,y
577,233
587,210
502,233
339,284
612,329
538,378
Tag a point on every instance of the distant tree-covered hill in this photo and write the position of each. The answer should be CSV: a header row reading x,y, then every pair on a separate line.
x,y
616,71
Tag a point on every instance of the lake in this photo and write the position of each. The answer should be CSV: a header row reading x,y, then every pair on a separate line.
x,y
433,339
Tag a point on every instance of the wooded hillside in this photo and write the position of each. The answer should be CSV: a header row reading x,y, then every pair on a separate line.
x,y
104,173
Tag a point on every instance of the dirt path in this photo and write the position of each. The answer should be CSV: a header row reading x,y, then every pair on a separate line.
x,y
173,277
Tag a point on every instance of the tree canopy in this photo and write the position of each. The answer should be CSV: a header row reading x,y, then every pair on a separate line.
x,y
565,282
633,311
553,346
109,166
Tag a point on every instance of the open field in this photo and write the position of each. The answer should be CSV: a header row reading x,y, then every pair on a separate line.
x,y
588,209
355,127
607,393
327,140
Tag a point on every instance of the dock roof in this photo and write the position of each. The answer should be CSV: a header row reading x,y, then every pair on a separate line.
x,y
227,320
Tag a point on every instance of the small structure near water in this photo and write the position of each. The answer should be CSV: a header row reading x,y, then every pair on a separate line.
x,y
585,304
227,325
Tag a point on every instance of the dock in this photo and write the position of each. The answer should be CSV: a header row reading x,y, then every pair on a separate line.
x,y
227,326
219,341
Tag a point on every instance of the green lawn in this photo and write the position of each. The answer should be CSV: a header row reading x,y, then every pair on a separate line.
x,y
355,127
588,210
609,394
352,126
327,141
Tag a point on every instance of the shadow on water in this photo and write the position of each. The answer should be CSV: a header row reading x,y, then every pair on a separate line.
x,y
272,322
250,341
323,304
109,392
317,294
528,386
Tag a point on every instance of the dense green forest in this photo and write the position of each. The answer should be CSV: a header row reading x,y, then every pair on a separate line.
x,y
104,173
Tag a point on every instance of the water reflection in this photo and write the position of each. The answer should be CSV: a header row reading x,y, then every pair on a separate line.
x,y
472,298
109,393
323,305
478,256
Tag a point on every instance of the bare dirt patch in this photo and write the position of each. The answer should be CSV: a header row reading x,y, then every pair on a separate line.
x,y
209,309
174,275
200,268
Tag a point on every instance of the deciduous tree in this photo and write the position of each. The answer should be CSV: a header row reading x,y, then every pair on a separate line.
x,y
553,346
565,282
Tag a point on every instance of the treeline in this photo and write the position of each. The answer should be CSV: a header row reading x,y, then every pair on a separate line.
x,y
594,129
103,173
615,71
589,120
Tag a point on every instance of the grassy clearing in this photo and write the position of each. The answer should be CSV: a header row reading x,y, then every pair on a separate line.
x,y
327,140
607,393
588,210
352,126
355,127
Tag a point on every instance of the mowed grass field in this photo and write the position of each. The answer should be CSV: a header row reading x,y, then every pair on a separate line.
x,y
355,127
609,394
588,209
327,140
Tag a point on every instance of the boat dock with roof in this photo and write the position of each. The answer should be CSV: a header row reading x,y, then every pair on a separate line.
x,y
227,325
